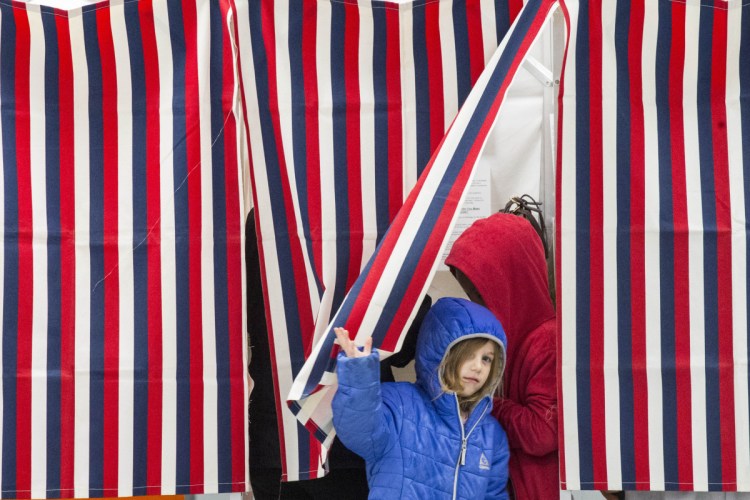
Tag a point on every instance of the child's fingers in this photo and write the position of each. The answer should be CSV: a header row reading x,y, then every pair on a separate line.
x,y
342,336
348,346
368,346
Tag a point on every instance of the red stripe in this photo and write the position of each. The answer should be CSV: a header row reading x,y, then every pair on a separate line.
x,y
596,248
192,141
25,256
724,248
558,254
153,216
434,73
395,125
312,137
111,259
514,8
353,148
67,259
637,258
477,56
681,251
235,221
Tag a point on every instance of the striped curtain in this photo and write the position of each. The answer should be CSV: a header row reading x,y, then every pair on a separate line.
x,y
653,207
348,101
121,259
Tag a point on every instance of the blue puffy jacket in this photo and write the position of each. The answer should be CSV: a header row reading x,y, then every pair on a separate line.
x,y
411,435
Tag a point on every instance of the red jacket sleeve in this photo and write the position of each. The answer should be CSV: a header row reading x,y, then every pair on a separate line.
x,y
531,424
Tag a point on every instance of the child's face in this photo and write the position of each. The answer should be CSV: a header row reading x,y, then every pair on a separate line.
x,y
474,371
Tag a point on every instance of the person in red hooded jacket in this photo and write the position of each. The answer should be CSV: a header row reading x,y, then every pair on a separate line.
x,y
499,262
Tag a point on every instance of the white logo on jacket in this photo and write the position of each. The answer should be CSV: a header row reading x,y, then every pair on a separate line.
x,y
484,464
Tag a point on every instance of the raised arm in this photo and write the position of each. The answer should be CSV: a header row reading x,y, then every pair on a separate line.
x,y
363,423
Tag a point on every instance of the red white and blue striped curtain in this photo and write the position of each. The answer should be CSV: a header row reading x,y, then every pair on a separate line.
x,y
653,207
121,259
347,104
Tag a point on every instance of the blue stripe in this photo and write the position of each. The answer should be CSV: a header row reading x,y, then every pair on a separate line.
x,y
380,89
710,252
463,54
499,75
96,231
52,173
340,142
221,309
140,250
421,87
10,247
502,19
299,129
277,213
583,250
666,250
745,113
624,292
182,247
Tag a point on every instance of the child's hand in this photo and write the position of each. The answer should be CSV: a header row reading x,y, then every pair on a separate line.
x,y
347,345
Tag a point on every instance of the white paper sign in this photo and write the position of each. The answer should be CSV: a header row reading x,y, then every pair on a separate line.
x,y
476,206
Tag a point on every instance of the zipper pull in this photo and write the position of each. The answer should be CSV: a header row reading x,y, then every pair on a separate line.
x,y
463,452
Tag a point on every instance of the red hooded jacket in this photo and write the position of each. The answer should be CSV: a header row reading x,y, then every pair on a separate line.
x,y
503,258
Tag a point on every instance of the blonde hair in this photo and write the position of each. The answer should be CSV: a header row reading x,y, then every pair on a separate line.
x,y
450,379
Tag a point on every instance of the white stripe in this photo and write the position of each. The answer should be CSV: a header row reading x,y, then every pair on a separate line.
x,y
448,53
328,209
489,28
241,16
82,256
168,271
205,171
609,233
245,195
695,225
283,78
125,249
737,182
567,297
367,131
37,119
325,144
651,249
2,259
408,99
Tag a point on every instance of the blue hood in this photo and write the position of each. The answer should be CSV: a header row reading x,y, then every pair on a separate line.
x,y
449,321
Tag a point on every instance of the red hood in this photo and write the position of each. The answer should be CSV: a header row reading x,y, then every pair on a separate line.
x,y
503,257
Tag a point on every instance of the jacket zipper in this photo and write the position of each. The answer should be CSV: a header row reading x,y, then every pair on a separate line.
x,y
464,438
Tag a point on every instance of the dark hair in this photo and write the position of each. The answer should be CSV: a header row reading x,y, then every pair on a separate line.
x,y
527,207
456,356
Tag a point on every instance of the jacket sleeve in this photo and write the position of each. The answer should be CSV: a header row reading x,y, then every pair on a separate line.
x,y
498,486
363,423
532,424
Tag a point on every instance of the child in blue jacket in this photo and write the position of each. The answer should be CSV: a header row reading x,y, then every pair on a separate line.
x,y
436,438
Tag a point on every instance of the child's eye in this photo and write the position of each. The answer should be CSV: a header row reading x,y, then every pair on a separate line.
x,y
487,359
